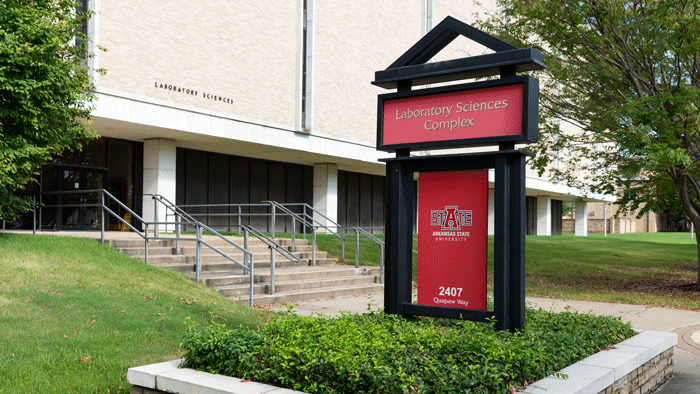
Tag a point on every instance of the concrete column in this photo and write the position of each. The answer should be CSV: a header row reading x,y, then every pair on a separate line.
x,y
491,210
544,215
159,176
581,218
326,192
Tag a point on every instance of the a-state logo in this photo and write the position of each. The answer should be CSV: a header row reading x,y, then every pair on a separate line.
x,y
451,218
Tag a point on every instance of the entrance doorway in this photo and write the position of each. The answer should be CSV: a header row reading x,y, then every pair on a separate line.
x,y
78,208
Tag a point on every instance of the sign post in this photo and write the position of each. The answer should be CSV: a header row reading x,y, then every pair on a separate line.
x,y
453,189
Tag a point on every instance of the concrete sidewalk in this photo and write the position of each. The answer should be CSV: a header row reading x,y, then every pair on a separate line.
x,y
686,324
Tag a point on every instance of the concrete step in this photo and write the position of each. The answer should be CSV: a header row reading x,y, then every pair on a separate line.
x,y
138,243
258,252
186,248
292,286
155,258
310,294
238,277
229,266
189,239
294,280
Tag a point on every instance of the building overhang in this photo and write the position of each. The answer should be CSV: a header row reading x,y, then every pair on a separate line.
x,y
138,118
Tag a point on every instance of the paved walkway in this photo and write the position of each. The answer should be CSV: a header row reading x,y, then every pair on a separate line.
x,y
686,324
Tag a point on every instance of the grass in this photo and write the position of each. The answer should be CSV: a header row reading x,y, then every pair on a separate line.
x,y
638,268
75,315
641,268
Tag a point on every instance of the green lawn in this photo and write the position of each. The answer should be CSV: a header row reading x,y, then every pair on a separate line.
x,y
75,315
640,268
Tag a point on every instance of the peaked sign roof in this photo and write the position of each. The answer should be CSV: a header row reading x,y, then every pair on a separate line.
x,y
412,66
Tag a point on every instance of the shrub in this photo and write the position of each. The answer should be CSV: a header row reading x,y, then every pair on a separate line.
x,y
378,353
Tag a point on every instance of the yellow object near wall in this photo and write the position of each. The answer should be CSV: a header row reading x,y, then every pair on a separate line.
x,y
124,227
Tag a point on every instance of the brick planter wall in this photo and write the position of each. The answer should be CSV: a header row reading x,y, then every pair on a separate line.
x,y
645,379
635,366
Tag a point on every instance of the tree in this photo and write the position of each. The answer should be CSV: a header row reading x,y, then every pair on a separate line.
x,y
44,91
627,74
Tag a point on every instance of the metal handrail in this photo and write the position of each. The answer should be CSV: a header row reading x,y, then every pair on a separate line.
x,y
312,219
179,213
276,209
274,247
274,205
104,208
303,222
238,214
270,243
360,230
308,218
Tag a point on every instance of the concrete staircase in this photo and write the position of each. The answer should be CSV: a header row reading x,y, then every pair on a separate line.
x,y
294,281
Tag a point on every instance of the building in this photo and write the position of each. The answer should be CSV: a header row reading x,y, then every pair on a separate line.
x,y
601,215
243,102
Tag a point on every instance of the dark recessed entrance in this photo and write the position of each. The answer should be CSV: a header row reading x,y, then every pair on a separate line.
x,y
78,211
105,163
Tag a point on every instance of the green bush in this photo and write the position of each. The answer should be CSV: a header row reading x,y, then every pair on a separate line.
x,y
378,353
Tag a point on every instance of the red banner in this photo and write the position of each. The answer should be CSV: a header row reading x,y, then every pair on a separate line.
x,y
486,112
452,239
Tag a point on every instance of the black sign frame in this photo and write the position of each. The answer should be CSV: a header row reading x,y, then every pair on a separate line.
x,y
410,69
529,131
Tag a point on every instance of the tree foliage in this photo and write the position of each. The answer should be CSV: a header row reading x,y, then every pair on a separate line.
x,y
44,91
627,75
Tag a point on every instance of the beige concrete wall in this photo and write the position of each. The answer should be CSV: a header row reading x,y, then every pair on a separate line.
x,y
353,39
468,12
241,55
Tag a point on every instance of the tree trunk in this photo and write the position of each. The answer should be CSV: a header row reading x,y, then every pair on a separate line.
x,y
697,242
693,215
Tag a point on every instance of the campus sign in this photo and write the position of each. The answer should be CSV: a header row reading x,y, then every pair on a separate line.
x,y
453,189
463,115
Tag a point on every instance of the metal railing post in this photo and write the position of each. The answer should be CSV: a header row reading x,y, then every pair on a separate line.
x,y
272,270
41,212
306,216
199,251
245,239
239,218
249,259
145,244
381,264
313,246
294,230
342,259
155,217
178,249
273,225
102,217
34,216
357,248
245,242
252,280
